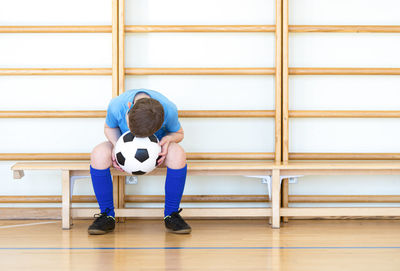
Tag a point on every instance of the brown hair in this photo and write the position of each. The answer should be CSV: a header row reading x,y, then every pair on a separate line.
x,y
146,117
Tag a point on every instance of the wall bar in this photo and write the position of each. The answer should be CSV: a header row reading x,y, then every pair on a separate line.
x,y
200,71
198,28
278,82
343,114
345,28
190,156
102,114
344,71
57,29
213,198
56,71
344,156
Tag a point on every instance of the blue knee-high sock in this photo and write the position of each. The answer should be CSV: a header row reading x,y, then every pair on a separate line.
x,y
174,185
103,189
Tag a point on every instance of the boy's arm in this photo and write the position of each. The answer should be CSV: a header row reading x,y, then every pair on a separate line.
x,y
171,137
112,134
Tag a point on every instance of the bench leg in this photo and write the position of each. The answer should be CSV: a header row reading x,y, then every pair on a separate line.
x,y
285,197
276,199
121,196
66,200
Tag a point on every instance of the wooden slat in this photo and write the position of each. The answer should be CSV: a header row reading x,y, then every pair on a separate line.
x,y
102,114
198,165
53,114
137,198
344,156
285,80
343,114
190,156
187,212
214,198
121,46
345,28
199,71
346,211
278,81
198,28
136,71
344,71
55,71
344,199
57,29
115,49
340,165
227,113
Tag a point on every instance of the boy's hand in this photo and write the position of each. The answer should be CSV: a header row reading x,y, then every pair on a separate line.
x,y
164,143
114,162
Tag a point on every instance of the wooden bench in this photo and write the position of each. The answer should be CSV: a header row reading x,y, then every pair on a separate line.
x,y
227,168
277,171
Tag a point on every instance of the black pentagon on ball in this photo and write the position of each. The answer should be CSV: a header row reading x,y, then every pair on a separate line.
x,y
153,138
128,137
120,159
138,172
142,155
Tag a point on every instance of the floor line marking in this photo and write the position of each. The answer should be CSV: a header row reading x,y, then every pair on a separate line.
x,y
23,225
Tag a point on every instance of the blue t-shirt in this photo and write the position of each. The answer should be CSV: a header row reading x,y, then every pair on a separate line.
x,y
118,108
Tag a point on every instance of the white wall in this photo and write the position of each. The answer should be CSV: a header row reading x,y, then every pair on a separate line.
x,y
203,92
344,92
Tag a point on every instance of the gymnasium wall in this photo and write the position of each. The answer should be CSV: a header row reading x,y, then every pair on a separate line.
x,y
202,92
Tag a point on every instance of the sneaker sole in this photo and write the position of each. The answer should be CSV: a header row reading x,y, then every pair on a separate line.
x,y
98,232
185,231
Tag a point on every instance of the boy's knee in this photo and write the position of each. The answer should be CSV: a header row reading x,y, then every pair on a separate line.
x,y
100,157
176,156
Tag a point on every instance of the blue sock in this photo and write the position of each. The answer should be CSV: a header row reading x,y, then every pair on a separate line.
x,y
103,189
174,185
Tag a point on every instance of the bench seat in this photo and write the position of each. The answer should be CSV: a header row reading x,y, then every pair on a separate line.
x,y
243,168
213,168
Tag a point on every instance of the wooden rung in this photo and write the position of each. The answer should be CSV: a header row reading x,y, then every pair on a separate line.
x,y
344,156
55,71
199,71
227,113
102,114
343,114
346,211
189,156
57,29
52,114
344,71
187,212
198,28
345,28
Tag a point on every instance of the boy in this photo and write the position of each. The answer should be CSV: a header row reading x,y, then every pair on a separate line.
x,y
144,112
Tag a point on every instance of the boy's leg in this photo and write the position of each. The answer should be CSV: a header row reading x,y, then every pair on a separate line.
x,y
103,188
174,186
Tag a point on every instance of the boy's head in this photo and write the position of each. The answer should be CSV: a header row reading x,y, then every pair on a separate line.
x,y
145,117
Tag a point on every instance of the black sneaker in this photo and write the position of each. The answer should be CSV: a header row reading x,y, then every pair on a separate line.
x,y
103,224
175,223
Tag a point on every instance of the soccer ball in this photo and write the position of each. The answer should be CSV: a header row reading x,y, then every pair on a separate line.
x,y
137,155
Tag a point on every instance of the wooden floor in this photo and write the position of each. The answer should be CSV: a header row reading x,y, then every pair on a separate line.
x,y
213,245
